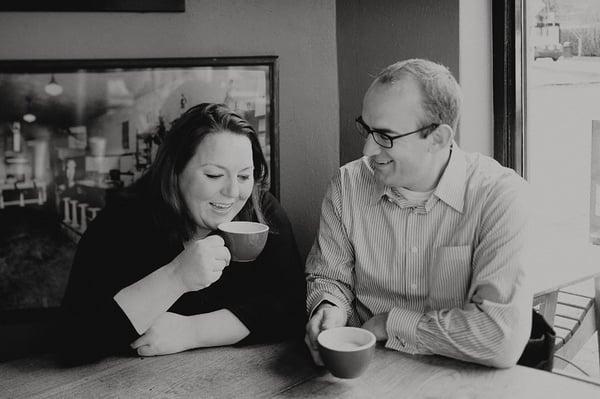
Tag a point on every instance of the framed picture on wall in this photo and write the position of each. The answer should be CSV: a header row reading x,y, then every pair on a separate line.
x,y
96,5
75,132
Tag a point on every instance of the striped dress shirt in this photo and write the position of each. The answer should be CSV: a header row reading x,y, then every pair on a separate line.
x,y
449,272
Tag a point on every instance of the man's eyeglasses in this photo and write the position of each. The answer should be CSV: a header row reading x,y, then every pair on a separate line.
x,y
385,138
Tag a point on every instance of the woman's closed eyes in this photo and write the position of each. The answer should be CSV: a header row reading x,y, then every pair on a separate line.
x,y
215,177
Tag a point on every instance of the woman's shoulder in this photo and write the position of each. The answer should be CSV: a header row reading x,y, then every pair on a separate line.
x,y
269,201
125,210
271,207
274,213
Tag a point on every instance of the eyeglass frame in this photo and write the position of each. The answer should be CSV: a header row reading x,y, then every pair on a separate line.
x,y
386,133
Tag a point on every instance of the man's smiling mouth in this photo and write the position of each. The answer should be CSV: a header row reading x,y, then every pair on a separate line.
x,y
381,164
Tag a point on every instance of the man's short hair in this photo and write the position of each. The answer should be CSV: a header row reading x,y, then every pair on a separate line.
x,y
442,97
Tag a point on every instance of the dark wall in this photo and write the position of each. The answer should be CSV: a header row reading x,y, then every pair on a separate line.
x,y
373,34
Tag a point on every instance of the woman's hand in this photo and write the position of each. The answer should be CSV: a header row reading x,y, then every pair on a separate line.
x,y
170,333
201,263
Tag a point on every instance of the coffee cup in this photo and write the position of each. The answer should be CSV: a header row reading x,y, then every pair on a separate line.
x,y
245,240
346,351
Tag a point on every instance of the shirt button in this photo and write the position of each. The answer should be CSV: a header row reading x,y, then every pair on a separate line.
x,y
413,286
413,250
403,343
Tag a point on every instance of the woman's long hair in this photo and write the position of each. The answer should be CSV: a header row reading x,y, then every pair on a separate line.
x,y
178,147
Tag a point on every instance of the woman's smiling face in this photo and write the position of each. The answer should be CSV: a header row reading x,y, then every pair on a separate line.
x,y
218,180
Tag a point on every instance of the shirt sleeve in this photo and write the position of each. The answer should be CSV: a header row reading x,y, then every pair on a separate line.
x,y
93,325
273,308
330,263
493,326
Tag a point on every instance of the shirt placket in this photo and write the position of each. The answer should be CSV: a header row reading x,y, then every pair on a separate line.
x,y
412,251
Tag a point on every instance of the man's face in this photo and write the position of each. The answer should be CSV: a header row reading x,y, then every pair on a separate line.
x,y
397,108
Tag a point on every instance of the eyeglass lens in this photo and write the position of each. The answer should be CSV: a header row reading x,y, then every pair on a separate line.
x,y
379,138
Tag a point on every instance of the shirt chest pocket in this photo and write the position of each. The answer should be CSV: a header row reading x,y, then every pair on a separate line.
x,y
449,277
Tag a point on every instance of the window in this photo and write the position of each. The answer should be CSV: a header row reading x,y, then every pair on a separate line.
x,y
562,97
547,91
547,128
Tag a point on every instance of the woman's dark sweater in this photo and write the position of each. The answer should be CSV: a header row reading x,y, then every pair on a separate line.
x,y
124,244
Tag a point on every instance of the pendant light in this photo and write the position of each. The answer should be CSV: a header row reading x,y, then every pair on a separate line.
x,y
53,88
28,117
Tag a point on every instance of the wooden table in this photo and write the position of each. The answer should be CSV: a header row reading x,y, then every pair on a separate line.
x,y
279,370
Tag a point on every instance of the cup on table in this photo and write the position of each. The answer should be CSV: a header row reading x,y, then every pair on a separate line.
x,y
245,240
346,351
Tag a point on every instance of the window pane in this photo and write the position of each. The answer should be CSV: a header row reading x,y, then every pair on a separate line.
x,y
562,100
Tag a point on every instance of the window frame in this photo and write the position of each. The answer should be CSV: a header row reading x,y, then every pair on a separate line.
x,y
509,82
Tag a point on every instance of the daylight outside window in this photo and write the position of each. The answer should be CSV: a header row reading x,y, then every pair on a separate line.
x,y
562,151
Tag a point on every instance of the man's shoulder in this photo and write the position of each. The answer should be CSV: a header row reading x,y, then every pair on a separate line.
x,y
354,177
357,170
486,171
354,166
486,177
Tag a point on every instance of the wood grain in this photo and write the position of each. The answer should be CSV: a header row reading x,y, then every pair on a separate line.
x,y
281,370
396,375
255,371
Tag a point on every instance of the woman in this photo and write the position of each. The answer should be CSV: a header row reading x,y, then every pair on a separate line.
x,y
149,274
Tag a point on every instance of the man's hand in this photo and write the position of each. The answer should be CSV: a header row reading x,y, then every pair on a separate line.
x,y
376,325
170,333
325,317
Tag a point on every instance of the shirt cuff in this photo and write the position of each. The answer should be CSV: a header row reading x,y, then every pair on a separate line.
x,y
327,297
401,329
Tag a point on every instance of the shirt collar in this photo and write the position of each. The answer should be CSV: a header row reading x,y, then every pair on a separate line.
x,y
452,184
380,189
450,189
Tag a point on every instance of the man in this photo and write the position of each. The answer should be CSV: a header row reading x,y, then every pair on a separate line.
x,y
420,242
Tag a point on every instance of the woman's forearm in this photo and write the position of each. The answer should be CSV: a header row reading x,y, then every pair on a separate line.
x,y
218,328
146,299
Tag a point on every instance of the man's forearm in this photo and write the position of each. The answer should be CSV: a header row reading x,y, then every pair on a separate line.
x,y
491,335
320,289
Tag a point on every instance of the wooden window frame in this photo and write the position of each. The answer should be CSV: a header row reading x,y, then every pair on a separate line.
x,y
509,79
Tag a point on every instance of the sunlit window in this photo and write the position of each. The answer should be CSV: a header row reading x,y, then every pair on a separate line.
x,y
560,56
562,97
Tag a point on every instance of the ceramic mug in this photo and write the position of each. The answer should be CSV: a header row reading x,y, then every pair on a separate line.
x,y
245,240
346,351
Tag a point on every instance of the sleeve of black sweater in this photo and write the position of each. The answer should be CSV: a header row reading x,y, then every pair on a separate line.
x,y
119,248
272,307
109,256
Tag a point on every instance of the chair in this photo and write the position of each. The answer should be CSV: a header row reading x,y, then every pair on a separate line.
x,y
575,321
574,316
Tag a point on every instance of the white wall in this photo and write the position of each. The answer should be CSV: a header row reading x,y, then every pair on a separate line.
x,y
301,33
475,33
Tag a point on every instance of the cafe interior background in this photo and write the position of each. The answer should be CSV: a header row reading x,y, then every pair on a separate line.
x,y
327,53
